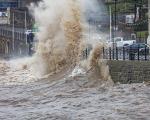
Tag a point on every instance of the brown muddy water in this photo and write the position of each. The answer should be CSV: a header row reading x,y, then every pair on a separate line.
x,y
23,97
56,84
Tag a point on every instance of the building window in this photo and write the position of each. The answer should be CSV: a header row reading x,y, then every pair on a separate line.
x,y
8,4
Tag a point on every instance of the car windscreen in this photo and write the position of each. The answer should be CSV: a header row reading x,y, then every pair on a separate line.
x,y
142,46
135,45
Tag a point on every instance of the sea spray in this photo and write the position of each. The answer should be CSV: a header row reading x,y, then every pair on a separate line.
x,y
95,68
59,36
62,38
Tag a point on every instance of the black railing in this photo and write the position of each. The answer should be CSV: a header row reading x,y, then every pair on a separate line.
x,y
126,53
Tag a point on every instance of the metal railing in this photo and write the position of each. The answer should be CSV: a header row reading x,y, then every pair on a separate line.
x,y
7,32
124,53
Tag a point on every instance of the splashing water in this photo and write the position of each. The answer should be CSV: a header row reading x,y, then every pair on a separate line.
x,y
15,72
78,90
61,37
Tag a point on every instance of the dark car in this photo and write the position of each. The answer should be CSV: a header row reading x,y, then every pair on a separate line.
x,y
140,48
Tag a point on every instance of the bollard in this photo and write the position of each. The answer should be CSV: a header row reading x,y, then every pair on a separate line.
x,y
116,53
110,53
124,53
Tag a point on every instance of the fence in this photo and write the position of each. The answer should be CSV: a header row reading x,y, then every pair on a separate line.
x,y
126,53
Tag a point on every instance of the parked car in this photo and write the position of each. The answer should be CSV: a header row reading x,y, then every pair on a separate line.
x,y
29,31
120,42
142,48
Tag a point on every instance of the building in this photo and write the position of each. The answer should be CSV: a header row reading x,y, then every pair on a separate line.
x,y
15,20
111,1
148,40
25,3
16,11
4,4
130,17
149,15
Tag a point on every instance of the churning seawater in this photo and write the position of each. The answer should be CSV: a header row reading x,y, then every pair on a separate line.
x,y
22,97
56,84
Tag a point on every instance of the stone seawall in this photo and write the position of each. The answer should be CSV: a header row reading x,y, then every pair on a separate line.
x,y
129,71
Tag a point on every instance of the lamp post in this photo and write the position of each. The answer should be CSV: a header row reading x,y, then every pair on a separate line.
x,y
13,32
148,40
149,15
110,23
115,17
25,25
135,11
